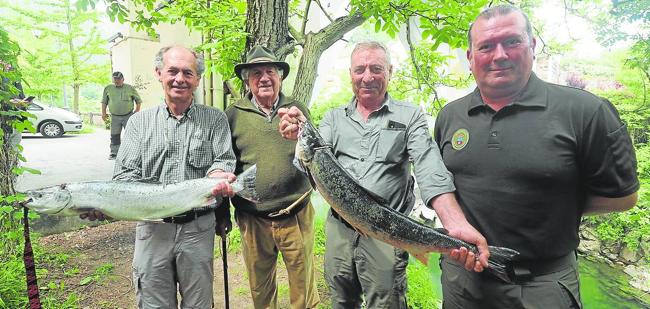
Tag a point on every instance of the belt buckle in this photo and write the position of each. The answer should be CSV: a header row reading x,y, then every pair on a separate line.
x,y
521,273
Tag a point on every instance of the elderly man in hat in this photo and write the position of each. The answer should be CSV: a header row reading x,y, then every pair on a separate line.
x,y
119,98
283,220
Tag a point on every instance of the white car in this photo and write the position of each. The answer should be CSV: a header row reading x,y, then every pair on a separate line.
x,y
53,121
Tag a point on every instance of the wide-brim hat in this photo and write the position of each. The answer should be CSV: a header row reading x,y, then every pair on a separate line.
x,y
260,55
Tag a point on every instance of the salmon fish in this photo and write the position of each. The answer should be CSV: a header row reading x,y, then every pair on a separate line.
x,y
135,200
371,215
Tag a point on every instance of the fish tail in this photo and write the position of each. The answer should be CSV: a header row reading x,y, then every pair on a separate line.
x,y
500,261
245,184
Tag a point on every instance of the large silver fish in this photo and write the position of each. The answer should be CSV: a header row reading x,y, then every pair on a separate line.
x,y
135,200
370,214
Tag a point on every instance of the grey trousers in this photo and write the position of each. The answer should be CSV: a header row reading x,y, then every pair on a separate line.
x,y
558,289
356,265
118,123
168,255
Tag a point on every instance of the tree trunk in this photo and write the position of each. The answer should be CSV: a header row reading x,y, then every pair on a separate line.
x,y
75,98
313,48
267,22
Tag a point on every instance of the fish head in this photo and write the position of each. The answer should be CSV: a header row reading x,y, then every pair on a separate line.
x,y
50,200
308,141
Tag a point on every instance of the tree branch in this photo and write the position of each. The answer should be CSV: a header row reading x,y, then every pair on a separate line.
x,y
418,70
339,27
323,9
305,17
297,36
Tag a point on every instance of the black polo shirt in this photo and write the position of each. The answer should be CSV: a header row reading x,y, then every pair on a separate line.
x,y
522,174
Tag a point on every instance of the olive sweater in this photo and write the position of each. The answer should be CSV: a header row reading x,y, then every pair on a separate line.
x,y
256,140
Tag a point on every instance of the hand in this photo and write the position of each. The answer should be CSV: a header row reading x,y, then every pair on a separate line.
x,y
104,117
290,120
224,226
223,189
465,257
94,215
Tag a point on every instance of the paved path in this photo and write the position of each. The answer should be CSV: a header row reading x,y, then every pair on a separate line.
x,y
70,158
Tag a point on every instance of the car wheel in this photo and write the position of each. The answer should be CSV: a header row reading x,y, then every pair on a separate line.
x,y
51,129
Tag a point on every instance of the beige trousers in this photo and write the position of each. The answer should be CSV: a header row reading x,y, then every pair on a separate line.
x,y
262,239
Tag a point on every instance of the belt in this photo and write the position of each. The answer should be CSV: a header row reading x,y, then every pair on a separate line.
x,y
129,113
338,217
188,216
292,209
525,270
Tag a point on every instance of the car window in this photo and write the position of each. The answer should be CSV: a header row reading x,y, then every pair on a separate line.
x,y
34,107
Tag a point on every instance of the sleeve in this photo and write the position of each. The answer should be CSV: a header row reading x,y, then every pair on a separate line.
x,y
128,164
432,176
136,96
326,126
105,96
607,155
224,157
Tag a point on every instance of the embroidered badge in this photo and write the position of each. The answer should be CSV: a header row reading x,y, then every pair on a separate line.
x,y
460,139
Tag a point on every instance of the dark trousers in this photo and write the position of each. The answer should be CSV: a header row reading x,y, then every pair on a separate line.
x,y
117,124
556,288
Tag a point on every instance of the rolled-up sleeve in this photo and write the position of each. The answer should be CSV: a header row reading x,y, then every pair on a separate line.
x,y
430,172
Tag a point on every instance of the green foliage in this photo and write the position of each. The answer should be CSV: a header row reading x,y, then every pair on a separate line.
x,y
417,82
421,286
62,47
440,21
101,273
323,103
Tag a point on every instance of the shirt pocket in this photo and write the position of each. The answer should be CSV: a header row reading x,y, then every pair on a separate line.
x,y
391,144
200,153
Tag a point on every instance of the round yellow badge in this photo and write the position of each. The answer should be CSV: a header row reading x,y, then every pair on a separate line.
x,y
460,139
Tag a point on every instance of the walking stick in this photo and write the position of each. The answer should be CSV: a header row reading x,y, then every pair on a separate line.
x,y
224,257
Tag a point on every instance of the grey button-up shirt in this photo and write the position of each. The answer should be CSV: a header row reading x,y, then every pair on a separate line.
x,y
160,147
378,153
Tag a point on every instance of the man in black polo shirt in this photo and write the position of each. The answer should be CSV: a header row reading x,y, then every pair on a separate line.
x,y
529,159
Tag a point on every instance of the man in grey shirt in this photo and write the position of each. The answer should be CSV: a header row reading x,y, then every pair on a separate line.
x,y
374,137
177,141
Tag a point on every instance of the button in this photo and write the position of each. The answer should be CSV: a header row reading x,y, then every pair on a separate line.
x,y
362,159
494,133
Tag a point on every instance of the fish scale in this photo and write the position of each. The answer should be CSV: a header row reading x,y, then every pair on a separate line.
x,y
371,216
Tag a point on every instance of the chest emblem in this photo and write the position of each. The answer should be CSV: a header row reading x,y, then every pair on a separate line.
x,y
460,139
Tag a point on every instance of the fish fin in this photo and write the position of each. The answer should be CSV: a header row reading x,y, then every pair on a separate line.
x,y
420,256
150,180
500,262
311,180
442,230
360,232
210,201
247,182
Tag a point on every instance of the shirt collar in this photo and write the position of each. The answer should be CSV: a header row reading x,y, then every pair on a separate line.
x,y
188,112
273,107
534,94
387,105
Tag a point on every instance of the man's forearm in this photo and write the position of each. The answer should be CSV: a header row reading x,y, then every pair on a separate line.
x,y
447,209
600,205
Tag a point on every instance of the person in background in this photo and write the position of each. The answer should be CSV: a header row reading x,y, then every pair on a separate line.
x,y
119,98
283,220
529,159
